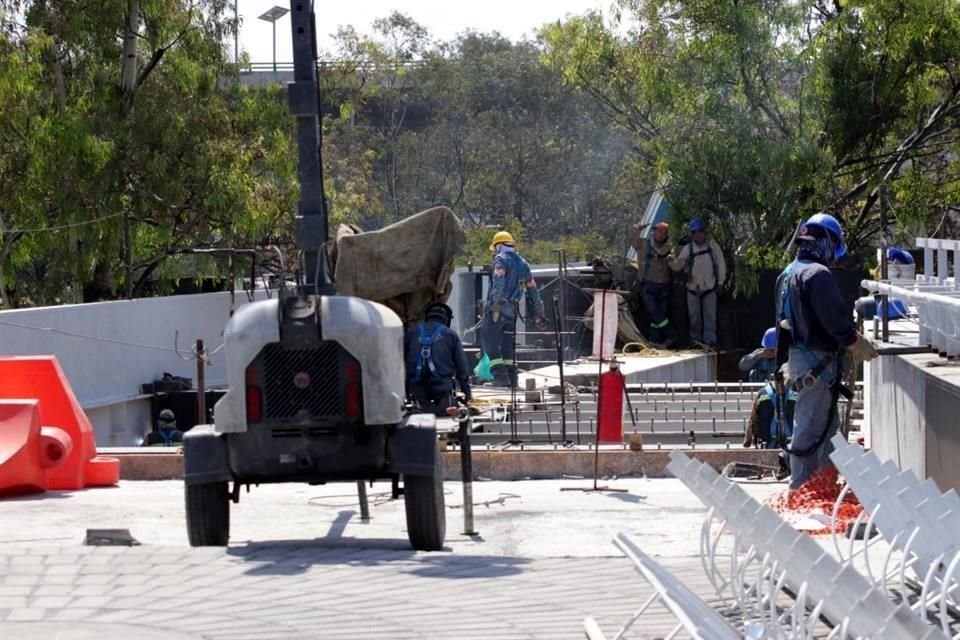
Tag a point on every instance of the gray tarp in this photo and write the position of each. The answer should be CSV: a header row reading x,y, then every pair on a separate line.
x,y
404,266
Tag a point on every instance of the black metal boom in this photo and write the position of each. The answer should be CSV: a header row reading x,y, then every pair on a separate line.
x,y
304,100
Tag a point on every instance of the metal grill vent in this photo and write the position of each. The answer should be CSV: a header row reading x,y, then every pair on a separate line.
x,y
289,394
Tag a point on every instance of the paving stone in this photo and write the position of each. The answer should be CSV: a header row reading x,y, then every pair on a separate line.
x,y
13,602
20,615
74,613
53,590
50,602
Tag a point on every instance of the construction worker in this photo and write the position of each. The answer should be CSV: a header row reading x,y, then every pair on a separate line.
x,y
166,434
706,271
653,274
814,327
763,430
761,363
435,359
510,281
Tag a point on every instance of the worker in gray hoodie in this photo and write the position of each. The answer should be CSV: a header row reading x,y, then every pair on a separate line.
x,y
706,271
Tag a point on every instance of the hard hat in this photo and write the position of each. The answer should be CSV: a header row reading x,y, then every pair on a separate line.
x,y
166,416
499,237
440,311
899,256
896,308
697,225
769,340
827,223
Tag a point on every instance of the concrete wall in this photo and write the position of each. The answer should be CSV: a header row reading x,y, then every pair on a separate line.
x,y
912,414
108,349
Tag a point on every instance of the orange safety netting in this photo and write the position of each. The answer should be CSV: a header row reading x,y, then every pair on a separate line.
x,y
814,502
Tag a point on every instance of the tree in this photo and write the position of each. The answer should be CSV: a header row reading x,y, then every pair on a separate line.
x,y
757,113
122,166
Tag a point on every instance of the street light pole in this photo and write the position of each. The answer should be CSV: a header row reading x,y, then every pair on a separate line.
x,y
236,33
271,16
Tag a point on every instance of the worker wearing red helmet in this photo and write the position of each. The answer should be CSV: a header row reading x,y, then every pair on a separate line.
x,y
653,274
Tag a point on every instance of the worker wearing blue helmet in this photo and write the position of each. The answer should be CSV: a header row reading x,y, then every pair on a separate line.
x,y
706,271
815,326
761,363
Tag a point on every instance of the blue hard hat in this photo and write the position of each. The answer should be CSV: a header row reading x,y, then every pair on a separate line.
x,y
899,256
829,224
769,340
697,225
896,309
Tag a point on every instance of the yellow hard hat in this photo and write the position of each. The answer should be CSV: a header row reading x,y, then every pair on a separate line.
x,y
500,236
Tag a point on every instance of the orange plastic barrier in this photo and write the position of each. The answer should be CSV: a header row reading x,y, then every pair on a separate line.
x,y
42,378
21,463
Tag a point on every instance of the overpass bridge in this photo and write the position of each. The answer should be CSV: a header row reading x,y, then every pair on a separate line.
x,y
263,74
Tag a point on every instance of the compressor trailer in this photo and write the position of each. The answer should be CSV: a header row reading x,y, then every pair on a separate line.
x,y
315,380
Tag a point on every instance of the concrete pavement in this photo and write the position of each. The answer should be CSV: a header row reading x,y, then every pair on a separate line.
x,y
302,565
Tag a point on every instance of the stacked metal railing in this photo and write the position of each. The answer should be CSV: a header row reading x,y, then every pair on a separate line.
x,y
776,582
935,293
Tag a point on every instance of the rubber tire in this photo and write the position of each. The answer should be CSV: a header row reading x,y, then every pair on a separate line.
x,y
208,514
426,510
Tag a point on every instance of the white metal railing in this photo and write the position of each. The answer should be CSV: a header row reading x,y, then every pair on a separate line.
x,y
938,310
938,271
693,615
921,527
770,558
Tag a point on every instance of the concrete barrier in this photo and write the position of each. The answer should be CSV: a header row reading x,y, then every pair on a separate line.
x,y
511,464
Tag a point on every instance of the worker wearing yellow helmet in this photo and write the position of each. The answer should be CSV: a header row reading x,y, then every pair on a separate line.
x,y
510,280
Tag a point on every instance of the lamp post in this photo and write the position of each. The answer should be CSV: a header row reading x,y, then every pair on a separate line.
x,y
272,15
236,33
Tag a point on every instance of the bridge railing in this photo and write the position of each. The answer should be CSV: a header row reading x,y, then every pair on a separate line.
x,y
322,65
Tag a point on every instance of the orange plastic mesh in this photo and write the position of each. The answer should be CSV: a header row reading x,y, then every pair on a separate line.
x,y
818,496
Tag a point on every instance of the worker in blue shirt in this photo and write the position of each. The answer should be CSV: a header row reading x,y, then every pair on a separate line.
x,y
814,327
761,363
510,281
434,360
764,429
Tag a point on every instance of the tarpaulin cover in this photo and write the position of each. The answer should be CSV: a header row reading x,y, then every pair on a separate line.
x,y
405,266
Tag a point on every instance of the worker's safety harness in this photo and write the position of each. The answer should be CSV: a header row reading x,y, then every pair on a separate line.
x,y
688,271
426,351
780,427
820,366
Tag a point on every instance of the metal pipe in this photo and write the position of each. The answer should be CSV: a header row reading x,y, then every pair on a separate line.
x,y
466,470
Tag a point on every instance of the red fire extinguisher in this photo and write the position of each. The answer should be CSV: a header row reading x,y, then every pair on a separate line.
x,y
610,406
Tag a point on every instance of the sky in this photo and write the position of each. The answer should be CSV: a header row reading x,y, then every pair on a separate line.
x,y
512,18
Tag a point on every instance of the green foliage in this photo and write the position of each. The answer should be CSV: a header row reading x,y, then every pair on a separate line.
x,y
541,251
187,159
754,114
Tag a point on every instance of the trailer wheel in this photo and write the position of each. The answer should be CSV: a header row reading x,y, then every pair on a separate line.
x,y
426,514
208,514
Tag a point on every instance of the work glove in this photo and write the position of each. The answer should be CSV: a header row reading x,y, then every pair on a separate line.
x,y
862,350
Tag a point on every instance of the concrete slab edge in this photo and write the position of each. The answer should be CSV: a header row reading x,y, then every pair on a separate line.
x,y
510,464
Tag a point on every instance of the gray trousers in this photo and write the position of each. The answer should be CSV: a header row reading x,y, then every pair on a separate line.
x,y
814,410
702,311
